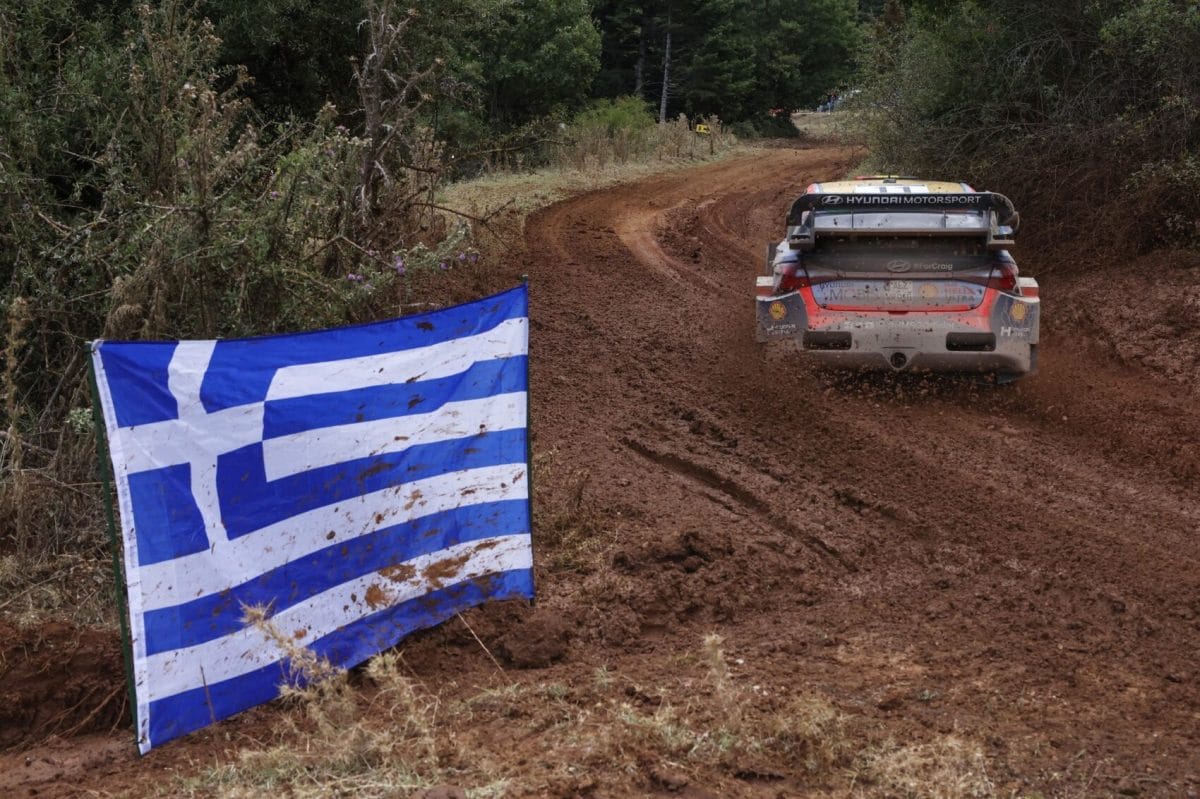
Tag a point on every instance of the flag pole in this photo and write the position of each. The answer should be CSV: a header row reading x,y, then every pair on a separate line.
x,y
102,471
529,444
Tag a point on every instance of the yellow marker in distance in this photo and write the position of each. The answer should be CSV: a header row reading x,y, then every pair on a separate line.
x,y
702,129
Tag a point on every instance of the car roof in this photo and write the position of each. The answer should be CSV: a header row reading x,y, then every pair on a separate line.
x,y
879,184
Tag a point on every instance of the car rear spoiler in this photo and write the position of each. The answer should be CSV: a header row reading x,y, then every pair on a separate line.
x,y
801,220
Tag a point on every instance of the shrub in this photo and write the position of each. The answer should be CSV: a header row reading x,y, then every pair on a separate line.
x,y
160,208
1063,106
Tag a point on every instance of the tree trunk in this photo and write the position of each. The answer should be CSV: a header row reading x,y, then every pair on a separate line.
x,y
639,69
666,81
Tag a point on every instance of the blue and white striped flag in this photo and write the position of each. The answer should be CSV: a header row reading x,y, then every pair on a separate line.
x,y
361,483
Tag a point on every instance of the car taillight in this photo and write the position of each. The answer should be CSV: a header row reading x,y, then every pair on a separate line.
x,y
1004,278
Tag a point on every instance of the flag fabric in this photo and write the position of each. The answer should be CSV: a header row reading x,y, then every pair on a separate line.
x,y
357,483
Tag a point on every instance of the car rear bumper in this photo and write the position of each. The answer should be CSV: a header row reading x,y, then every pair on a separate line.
x,y
999,336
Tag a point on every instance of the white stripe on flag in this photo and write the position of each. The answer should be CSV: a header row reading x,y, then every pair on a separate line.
x,y
250,648
505,340
183,440
326,446
227,564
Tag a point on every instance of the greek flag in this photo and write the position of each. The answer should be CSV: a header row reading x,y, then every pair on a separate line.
x,y
358,483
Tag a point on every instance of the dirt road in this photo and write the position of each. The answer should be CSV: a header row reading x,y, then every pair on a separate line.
x,y
1018,568
1021,566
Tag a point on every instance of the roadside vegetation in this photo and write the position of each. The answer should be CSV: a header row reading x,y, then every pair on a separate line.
x,y
1087,114
392,735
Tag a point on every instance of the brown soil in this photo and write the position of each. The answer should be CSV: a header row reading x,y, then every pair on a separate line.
x,y
56,680
1019,567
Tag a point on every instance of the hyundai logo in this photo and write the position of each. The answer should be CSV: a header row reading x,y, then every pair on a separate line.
x,y
833,199
898,265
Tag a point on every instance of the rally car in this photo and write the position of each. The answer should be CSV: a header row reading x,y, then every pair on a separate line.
x,y
902,274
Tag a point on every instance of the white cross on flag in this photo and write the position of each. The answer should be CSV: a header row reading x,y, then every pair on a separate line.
x,y
359,483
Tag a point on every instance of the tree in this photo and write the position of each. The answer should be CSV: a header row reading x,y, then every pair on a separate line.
x,y
538,57
733,58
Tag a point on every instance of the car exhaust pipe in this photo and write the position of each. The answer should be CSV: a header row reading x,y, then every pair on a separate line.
x,y
899,359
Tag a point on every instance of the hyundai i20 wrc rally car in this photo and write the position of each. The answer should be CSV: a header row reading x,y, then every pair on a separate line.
x,y
904,275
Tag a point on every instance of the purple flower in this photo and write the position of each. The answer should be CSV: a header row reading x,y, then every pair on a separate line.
x,y
354,276
274,195
474,257
444,265
462,256
398,265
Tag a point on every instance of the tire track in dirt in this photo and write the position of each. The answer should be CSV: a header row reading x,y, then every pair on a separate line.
x,y
753,504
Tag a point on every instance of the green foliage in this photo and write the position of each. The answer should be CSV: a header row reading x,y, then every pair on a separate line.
x,y
172,215
617,114
1064,106
766,126
537,58
730,57
298,51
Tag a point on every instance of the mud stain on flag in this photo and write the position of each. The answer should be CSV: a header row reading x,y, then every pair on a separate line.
x,y
376,597
399,573
439,572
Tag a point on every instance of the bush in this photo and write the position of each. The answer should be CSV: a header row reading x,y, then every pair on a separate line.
x,y
766,126
627,114
161,209
1064,106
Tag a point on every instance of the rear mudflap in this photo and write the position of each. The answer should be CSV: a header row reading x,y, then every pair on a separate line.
x,y
1016,319
780,317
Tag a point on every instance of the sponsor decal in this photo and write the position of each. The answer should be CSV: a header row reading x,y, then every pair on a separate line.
x,y
917,200
1018,311
777,310
1007,331
928,291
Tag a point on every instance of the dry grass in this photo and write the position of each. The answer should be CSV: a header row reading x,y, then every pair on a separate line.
x,y
946,768
573,534
393,737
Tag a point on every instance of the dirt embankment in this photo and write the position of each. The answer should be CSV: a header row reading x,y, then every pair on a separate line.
x,y
1019,568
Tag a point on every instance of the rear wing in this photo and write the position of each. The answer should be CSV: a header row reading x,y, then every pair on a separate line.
x,y
855,214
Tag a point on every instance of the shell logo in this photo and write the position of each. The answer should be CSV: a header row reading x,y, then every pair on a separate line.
x,y
777,310
1018,311
928,291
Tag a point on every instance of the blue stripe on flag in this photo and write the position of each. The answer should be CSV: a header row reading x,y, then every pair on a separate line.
x,y
166,520
216,615
483,379
231,380
137,380
190,710
250,502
